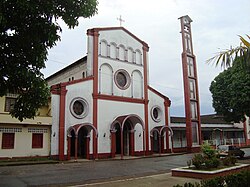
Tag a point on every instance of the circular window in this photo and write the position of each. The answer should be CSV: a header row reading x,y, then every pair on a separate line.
x,y
156,113
122,79
79,107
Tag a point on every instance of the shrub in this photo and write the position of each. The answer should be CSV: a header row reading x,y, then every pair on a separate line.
x,y
229,160
188,185
214,182
212,163
198,161
208,151
241,179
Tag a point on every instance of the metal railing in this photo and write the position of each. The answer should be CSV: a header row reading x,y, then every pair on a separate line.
x,y
231,141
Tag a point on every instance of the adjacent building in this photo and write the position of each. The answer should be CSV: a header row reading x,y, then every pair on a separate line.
x,y
29,138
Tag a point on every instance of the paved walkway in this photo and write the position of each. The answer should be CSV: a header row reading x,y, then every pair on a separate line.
x,y
147,172
158,180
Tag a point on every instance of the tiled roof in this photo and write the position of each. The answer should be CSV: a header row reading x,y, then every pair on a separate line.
x,y
205,119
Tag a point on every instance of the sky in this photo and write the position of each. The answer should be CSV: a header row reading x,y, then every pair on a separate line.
x,y
215,27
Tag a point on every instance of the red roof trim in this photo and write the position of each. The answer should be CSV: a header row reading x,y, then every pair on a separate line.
x,y
93,30
158,93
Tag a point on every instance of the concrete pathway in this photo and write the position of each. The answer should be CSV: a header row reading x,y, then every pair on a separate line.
x,y
158,180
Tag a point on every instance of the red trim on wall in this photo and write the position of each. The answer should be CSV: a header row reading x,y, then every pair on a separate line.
x,y
118,98
95,35
187,102
139,153
92,31
55,89
63,92
197,96
159,94
186,78
166,105
104,155
180,150
145,68
79,80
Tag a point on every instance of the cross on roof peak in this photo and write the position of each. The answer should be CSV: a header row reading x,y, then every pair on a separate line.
x,y
120,20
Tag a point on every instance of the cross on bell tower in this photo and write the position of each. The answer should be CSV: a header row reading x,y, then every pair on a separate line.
x,y
191,94
120,20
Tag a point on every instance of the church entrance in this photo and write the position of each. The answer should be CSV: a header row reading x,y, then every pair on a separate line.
x,y
155,142
72,144
123,136
118,139
82,142
126,139
79,141
159,137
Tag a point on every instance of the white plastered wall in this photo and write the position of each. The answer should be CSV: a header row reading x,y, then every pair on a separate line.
x,y
90,56
83,90
120,37
55,107
23,142
75,72
108,111
155,101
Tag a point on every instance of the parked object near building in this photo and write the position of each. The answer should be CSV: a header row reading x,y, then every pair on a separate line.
x,y
230,150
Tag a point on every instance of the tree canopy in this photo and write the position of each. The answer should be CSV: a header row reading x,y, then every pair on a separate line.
x,y
28,29
231,92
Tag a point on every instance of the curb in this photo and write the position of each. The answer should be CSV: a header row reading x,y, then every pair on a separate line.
x,y
21,163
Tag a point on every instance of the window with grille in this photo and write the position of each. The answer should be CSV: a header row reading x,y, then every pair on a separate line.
x,y
9,104
8,140
37,140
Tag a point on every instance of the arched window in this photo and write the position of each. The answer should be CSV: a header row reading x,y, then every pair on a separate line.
x,y
106,79
137,82
104,48
130,55
113,51
138,57
121,52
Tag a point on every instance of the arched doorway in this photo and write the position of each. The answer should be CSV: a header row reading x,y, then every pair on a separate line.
x,y
155,142
118,139
82,142
79,141
127,139
159,136
123,135
72,143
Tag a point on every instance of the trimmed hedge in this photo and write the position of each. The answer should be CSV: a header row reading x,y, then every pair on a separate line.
x,y
241,179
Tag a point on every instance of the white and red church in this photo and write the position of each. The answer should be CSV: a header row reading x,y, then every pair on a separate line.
x,y
103,106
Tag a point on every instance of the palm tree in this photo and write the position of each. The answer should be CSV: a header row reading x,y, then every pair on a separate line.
x,y
227,57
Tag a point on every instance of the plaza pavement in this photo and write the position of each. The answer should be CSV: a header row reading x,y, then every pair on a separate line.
x,y
155,180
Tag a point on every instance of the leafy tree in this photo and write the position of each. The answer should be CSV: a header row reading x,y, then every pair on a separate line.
x,y
28,29
231,92
227,57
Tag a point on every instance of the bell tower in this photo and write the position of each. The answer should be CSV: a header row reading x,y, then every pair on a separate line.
x,y
191,94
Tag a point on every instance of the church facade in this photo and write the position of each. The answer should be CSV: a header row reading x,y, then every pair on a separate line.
x,y
103,106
